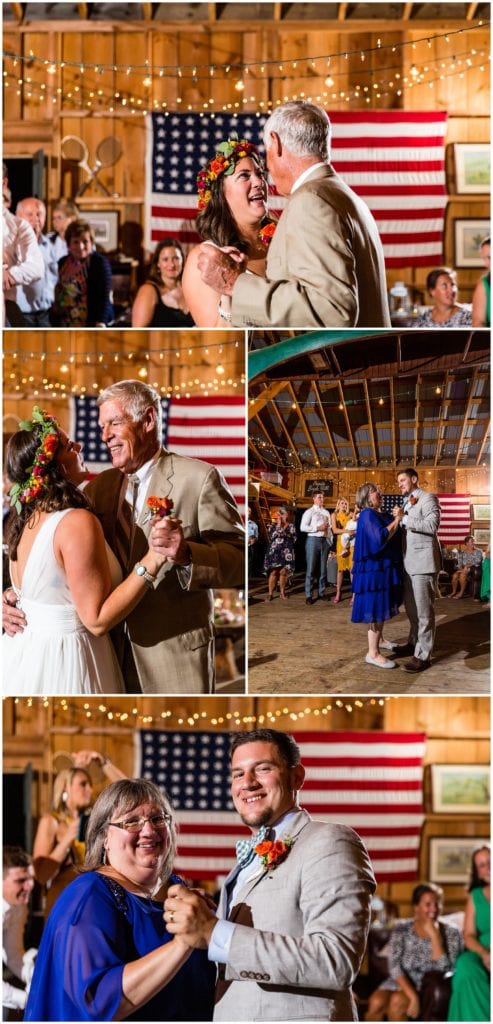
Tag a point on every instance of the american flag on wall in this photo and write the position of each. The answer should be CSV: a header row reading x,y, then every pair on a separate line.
x,y
395,160
371,781
455,515
212,429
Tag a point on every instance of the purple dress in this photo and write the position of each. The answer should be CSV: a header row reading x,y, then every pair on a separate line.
x,y
377,568
93,930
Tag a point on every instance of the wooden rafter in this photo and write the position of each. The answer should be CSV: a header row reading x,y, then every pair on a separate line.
x,y
258,455
407,12
471,11
484,439
441,422
304,424
348,425
83,11
465,420
277,12
370,422
287,435
267,438
148,11
212,12
330,435
416,422
265,396
18,10
342,11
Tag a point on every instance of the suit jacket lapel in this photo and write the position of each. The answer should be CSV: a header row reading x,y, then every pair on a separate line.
x,y
292,830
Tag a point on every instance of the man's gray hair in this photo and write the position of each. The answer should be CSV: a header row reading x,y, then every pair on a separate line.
x,y
135,397
302,127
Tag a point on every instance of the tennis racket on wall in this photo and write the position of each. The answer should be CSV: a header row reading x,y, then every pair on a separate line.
x,y
108,152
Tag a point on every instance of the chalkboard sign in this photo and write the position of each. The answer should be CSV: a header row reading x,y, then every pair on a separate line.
x,y
316,486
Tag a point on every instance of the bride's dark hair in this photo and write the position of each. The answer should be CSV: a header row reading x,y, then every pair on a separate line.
x,y
57,494
216,221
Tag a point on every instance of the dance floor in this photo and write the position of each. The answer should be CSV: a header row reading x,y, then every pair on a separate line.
x,y
298,648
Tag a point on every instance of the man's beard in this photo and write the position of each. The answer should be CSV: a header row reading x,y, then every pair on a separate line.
x,y
262,818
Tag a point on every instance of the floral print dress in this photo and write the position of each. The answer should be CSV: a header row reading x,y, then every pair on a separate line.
x,y
280,552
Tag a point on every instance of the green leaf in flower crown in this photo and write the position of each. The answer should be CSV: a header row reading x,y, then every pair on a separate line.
x,y
26,425
229,170
225,148
38,415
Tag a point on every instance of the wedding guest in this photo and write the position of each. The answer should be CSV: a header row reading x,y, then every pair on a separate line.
x,y
441,285
232,190
106,953
279,557
481,299
315,522
377,570
21,260
35,300
17,964
83,290
338,520
423,951
160,301
59,843
468,561
325,266
294,913
471,980
252,540
64,212
485,592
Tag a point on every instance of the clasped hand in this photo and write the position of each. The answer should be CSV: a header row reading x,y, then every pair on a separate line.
x,y
168,540
190,915
219,268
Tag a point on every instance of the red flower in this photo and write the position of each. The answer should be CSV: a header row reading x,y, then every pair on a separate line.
x,y
266,233
413,500
159,506
272,853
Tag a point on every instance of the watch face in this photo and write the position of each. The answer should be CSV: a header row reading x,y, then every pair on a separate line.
x,y
140,570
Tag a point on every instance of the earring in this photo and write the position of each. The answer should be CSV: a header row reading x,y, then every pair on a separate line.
x,y
64,796
104,856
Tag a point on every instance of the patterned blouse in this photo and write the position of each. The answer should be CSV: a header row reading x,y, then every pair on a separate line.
x,y
411,955
462,318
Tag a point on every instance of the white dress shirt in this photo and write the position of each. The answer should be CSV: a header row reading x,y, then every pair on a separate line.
x,y
21,255
13,924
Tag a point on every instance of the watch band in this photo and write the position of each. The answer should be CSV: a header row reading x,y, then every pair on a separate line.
x,y
141,571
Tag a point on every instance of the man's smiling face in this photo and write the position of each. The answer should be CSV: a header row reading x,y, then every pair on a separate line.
x,y
262,786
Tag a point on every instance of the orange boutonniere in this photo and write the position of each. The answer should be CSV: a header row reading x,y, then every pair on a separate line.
x,y
158,507
413,500
272,853
266,233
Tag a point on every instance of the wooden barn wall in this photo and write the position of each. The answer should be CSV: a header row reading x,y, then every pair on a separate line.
x,y
31,123
444,480
457,730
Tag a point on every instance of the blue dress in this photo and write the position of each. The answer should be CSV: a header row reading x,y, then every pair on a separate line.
x,y
377,568
94,929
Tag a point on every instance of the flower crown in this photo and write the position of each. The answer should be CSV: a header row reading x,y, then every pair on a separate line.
x,y
227,155
49,440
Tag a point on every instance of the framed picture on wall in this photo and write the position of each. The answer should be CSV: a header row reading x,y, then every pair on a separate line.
x,y
472,167
481,536
104,223
449,858
468,235
481,512
460,788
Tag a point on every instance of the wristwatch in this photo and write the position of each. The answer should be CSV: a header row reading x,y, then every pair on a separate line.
x,y
146,576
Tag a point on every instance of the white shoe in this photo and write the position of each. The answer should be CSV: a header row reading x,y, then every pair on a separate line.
x,y
388,645
380,664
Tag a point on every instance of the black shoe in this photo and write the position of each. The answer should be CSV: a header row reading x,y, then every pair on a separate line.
x,y
402,650
416,665
309,600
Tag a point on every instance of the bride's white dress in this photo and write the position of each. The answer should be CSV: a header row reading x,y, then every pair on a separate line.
x,y
56,653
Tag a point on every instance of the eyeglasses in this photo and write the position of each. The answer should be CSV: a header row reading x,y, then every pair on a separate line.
x,y
136,824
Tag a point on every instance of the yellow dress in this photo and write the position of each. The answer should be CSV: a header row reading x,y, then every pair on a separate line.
x,y
343,561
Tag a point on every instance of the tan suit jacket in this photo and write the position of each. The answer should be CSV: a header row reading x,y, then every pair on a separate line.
x,y
171,629
325,266
308,920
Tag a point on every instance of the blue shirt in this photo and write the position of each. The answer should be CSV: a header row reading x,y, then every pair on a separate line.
x,y
38,296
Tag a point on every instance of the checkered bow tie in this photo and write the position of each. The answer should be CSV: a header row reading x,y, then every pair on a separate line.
x,y
244,847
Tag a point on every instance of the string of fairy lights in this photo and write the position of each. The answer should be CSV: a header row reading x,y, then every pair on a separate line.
x,y
59,368
280,457
86,88
97,711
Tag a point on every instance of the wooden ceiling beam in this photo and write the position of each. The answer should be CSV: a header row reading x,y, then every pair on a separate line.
x,y
416,423
471,11
256,404
342,11
83,11
370,422
304,424
212,12
406,14
287,435
465,420
18,10
392,422
257,453
269,440
326,423
486,434
297,27
441,422
147,11
348,425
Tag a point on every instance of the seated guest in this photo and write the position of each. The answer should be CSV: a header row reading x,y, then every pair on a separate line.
x,y
64,213
485,592
35,300
83,289
423,950
481,299
471,980
468,562
446,311
160,302
106,953
18,883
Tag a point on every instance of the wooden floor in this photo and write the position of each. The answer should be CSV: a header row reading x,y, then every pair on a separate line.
x,y
299,648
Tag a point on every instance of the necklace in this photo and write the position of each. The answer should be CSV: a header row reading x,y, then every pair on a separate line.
x,y
135,888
